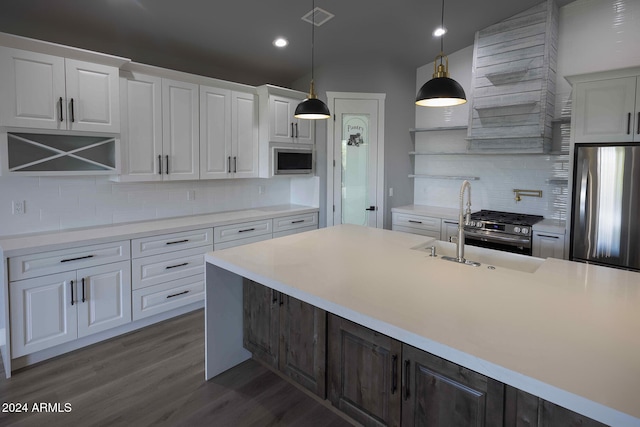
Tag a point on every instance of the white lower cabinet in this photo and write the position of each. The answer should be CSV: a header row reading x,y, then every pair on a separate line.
x,y
173,276
548,245
54,309
449,230
416,224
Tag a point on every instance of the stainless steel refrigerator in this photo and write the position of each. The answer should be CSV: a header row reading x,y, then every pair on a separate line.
x,y
606,205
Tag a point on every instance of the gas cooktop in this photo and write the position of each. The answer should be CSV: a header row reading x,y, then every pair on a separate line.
x,y
506,217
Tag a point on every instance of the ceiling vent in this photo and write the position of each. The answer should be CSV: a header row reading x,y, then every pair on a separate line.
x,y
317,16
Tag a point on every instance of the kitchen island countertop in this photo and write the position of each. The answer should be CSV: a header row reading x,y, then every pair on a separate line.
x,y
566,332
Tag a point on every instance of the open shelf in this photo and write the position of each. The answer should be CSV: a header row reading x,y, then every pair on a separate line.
x,y
460,178
414,130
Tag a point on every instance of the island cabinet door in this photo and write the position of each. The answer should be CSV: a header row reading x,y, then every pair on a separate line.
x,y
439,393
261,321
303,344
363,373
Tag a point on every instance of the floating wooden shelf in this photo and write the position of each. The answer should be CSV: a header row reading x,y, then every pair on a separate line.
x,y
414,130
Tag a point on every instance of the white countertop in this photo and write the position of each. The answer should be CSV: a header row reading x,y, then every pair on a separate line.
x,y
549,225
567,332
22,244
434,211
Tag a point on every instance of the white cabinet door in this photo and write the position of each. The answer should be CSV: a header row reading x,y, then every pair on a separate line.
x,y
32,90
244,131
281,126
605,110
93,97
141,136
104,297
215,133
449,230
636,126
48,92
548,245
284,127
180,135
43,312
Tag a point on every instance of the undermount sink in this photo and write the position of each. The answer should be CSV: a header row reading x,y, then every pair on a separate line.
x,y
488,258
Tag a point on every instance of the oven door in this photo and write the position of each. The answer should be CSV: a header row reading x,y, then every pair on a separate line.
x,y
498,241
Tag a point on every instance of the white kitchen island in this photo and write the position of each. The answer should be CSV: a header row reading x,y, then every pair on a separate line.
x,y
567,332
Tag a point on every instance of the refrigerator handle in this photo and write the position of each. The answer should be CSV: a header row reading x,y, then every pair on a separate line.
x,y
584,186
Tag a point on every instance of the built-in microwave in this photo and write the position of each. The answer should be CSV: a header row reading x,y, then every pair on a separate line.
x,y
292,161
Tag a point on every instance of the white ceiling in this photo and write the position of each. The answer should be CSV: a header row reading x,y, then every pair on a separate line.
x,y
232,40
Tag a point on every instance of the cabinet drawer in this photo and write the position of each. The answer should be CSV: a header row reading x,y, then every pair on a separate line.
x,y
417,221
294,231
421,231
162,268
166,243
295,221
167,296
40,264
227,233
240,242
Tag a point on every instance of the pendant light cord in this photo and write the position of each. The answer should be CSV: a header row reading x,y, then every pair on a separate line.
x,y
313,25
441,37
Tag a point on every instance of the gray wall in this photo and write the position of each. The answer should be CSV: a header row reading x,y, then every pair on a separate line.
x,y
398,83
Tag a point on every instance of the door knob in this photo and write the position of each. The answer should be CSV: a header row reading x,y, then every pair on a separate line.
x,y
370,208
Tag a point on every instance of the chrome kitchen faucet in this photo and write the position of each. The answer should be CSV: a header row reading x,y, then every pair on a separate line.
x,y
463,219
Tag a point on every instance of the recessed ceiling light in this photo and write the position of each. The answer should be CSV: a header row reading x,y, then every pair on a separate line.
x,y
439,32
280,42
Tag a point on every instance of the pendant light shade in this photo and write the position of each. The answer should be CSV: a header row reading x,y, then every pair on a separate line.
x,y
312,108
441,90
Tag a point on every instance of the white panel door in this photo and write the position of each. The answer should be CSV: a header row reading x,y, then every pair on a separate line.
x,y
32,90
180,135
141,136
215,133
605,110
104,297
304,131
93,97
244,119
43,312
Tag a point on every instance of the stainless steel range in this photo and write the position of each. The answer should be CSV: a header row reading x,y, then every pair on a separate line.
x,y
503,231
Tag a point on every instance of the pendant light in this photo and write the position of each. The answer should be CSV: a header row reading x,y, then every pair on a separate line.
x,y
312,108
441,91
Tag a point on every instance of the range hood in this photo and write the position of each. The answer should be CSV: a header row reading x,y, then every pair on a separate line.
x,y
513,83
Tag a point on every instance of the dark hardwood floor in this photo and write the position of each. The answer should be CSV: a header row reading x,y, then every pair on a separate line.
x,y
155,377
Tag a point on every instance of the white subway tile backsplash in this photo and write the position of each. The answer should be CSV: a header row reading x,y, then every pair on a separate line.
x,y
56,203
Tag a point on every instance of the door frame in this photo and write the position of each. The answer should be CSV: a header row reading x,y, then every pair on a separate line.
x,y
333,152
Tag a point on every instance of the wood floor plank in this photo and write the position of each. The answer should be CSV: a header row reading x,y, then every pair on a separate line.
x,y
155,377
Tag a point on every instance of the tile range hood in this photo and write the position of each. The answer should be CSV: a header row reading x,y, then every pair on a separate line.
x,y
513,83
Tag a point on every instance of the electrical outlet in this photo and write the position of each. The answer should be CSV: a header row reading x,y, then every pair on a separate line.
x,y
191,195
18,207
260,189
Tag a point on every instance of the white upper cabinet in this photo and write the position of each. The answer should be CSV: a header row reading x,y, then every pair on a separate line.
x,y
141,136
244,134
49,92
283,126
180,136
228,134
607,110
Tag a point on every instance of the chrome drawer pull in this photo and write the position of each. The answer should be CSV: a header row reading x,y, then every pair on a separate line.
x,y
179,293
177,265
177,241
76,259
248,229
